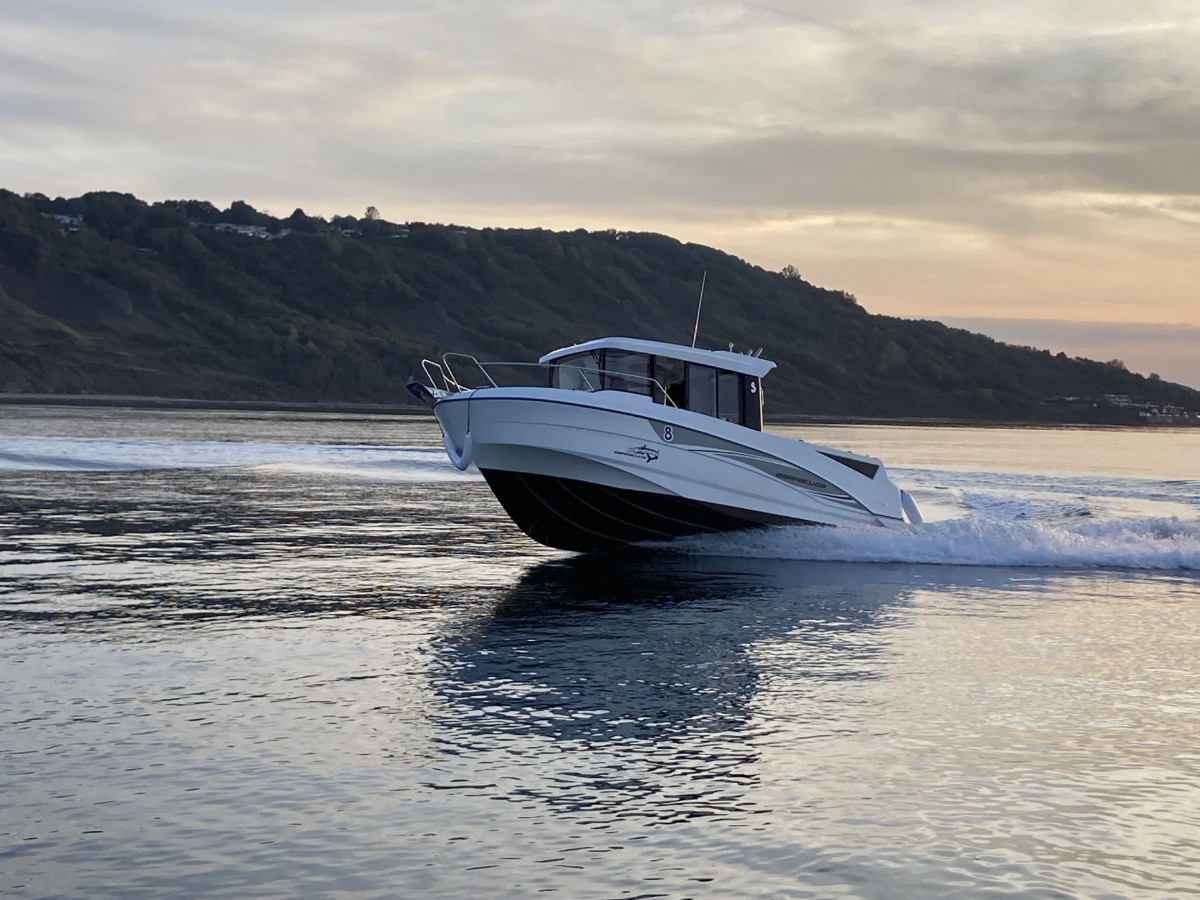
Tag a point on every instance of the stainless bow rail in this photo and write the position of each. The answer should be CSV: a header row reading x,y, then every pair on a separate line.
x,y
588,380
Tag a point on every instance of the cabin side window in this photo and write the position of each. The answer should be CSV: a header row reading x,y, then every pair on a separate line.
x,y
729,397
702,389
669,375
627,371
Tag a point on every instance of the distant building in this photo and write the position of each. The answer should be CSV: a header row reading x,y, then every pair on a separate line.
x,y
254,231
1152,413
67,223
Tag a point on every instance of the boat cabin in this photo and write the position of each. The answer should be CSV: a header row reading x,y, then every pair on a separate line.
x,y
717,383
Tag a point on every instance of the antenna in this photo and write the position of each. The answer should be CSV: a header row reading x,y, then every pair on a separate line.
x,y
696,329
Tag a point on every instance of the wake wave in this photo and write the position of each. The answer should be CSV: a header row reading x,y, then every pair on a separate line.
x,y
1166,543
991,505
126,455
983,489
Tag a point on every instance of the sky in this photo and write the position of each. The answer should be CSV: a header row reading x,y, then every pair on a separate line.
x,y
1026,169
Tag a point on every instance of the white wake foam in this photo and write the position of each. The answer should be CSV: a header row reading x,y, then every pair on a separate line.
x,y
32,454
1167,543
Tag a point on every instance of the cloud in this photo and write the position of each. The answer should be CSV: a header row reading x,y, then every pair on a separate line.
x,y
983,151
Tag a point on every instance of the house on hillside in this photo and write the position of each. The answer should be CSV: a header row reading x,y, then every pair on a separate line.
x,y
66,223
255,231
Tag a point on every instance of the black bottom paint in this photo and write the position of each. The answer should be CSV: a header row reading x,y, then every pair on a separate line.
x,y
585,517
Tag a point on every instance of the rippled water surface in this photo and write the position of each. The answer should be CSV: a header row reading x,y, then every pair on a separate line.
x,y
253,655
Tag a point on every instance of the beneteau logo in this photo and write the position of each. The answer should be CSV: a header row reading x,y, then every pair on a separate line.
x,y
642,452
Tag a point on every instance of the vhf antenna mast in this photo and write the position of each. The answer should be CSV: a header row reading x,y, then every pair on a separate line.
x,y
696,329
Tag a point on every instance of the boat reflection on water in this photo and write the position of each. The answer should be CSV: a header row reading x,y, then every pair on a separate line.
x,y
653,671
613,648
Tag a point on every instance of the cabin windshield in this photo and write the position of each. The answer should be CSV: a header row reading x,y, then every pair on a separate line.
x,y
580,372
732,396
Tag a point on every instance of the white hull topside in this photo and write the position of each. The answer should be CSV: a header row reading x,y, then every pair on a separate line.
x,y
625,442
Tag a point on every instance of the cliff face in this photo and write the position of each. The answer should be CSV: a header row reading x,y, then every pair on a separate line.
x,y
104,294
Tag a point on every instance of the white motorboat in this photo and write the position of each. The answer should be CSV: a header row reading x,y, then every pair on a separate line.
x,y
619,441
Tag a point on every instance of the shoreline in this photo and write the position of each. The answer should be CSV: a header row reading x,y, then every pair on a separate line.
x,y
114,401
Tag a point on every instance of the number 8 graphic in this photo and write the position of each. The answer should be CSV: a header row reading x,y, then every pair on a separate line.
x,y
668,434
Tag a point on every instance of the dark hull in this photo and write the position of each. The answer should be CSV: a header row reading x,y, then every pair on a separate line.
x,y
586,517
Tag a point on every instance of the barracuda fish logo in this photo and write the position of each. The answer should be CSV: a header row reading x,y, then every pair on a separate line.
x,y
642,452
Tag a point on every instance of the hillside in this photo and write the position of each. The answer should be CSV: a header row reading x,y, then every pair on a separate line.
x,y
104,294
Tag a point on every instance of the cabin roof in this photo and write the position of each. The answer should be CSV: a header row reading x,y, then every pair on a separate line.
x,y
721,359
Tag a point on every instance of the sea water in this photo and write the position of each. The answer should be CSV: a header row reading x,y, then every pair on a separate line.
x,y
266,654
